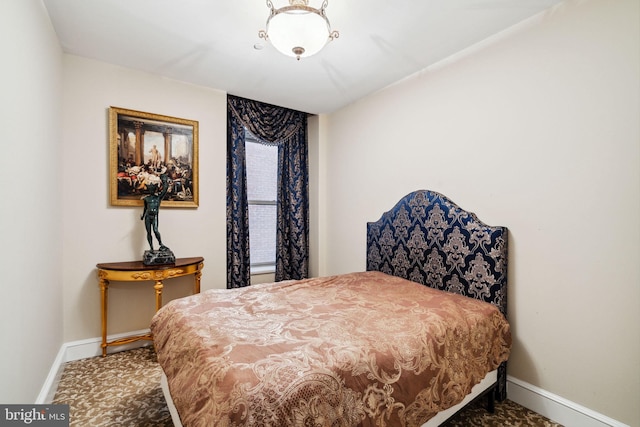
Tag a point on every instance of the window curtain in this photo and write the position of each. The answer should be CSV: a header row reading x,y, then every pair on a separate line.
x,y
287,129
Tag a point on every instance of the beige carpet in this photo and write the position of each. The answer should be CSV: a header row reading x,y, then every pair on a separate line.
x,y
123,389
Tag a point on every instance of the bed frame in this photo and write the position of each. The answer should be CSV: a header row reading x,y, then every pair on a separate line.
x,y
426,238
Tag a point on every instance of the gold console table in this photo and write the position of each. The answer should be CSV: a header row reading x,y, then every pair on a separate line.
x,y
136,271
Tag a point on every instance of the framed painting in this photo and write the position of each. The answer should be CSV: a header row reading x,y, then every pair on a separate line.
x,y
142,148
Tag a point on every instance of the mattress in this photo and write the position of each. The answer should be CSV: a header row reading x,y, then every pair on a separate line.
x,y
362,348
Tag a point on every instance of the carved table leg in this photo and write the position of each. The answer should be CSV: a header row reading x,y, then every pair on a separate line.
x,y
104,289
196,287
158,288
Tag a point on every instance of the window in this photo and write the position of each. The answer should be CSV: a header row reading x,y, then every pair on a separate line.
x,y
262,191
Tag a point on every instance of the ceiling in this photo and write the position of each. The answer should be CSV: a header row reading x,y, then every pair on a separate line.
x,y
212,43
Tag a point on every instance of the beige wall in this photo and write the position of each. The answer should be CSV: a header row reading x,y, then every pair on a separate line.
x,y
538,130
96,232
30,209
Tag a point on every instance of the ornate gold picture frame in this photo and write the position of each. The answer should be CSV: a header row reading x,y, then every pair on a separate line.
x,y
144,146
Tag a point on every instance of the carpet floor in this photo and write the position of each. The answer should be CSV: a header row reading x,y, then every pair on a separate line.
x,y
123,389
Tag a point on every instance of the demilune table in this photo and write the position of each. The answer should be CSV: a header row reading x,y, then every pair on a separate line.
x,y
136,271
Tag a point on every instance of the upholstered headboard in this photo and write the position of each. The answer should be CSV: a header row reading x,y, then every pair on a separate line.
x,y
428,239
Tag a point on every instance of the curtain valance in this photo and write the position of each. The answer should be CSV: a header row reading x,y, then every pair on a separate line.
x,y
270,123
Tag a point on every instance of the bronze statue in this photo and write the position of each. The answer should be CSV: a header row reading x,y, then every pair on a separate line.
x,y
150,216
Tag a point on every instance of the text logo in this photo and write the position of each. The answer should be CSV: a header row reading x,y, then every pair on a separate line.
x,y
34,415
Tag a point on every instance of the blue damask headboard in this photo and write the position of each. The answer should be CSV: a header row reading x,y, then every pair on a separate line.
x,y
429,239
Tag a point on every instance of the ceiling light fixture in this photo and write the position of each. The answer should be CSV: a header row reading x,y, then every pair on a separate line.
x,y
298,30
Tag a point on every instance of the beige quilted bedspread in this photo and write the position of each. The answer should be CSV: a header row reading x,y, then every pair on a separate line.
x,y
356,349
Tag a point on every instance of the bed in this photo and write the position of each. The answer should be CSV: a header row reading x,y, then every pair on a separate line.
x,y
408,342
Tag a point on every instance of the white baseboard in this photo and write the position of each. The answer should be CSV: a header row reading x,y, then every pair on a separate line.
x,y
48,390
92,347
82,349
554,407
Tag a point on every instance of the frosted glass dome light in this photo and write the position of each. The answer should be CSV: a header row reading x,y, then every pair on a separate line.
x,y
298,30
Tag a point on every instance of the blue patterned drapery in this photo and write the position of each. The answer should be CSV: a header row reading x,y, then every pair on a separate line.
x,y
288,130
238,267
